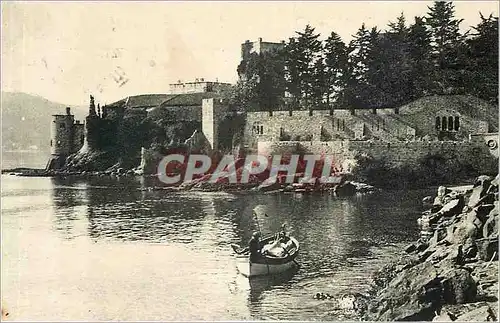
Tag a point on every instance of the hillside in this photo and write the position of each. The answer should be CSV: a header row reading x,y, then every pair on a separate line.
x,y
26,120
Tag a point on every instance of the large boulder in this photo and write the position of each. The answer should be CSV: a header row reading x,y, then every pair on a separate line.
x,y
458,286
414,294
453,207
481,186
483,313
490,228
488,248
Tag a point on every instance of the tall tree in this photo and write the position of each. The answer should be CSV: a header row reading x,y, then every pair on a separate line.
x,y
447,48
336,67
419,48
393,52
319,83
483,59
262,84
357,83
304,51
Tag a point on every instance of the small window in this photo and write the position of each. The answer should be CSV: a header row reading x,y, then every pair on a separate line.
x,y
343,125
438,123
450,123
457,123
310,112
51,143
257,129
444,124
82,139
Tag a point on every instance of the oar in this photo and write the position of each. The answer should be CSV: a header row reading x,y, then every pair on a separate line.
x,y
258,227
239,250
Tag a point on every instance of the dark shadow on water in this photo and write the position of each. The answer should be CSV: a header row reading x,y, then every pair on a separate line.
x,y
261,284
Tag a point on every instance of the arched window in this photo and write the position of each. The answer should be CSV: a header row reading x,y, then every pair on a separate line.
x,y
444,125
438,123
457,123
450,123
257,128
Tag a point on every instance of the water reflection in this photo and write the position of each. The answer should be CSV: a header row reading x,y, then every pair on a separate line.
x,y
342,240
261,284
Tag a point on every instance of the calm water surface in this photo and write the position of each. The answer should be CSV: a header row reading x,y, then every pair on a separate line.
x,y
109,249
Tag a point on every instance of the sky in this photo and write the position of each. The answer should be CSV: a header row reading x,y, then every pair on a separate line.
x,y
65,51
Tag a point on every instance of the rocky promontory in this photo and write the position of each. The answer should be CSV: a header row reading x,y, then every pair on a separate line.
x,y
451,272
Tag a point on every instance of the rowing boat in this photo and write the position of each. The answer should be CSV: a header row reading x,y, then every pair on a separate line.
x,y
277,257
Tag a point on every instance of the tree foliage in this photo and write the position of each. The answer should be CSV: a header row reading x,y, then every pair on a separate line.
x,y
377,68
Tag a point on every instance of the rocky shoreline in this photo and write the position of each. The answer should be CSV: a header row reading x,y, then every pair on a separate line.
x,y
451,272
344,187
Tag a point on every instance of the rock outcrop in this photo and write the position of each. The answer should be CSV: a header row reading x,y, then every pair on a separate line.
x,y
451,273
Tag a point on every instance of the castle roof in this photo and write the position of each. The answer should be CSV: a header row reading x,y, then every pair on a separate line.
x,y
141,101
188,99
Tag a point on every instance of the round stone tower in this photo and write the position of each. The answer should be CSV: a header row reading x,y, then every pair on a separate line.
x,y
61,135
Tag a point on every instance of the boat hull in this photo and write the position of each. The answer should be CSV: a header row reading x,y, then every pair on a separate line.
x,y
249,269
270,265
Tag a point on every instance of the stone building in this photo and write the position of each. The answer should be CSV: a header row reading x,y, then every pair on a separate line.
x,y
198,86
66,137
259,47
452,119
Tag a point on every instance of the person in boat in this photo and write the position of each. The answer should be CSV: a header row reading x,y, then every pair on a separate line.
x,y
255,247
282,236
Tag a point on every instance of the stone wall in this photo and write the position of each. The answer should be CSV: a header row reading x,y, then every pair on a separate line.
x,y
324,125
491,140
396,154
442,117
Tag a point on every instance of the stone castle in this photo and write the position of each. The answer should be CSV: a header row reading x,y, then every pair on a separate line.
x,y
67,136
454,125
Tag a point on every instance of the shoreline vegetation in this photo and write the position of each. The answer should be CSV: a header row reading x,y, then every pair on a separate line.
x,y
451,272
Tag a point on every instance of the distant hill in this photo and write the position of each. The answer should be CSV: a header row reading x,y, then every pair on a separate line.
x,y
26,120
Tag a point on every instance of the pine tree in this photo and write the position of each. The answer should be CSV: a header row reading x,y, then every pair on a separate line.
x,y
336,67
447,47
303,52
362,68
393,52
319,83
483,59
419,48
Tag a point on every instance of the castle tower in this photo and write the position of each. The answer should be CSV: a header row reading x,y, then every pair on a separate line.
x,y
61,133
65,138
212,113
